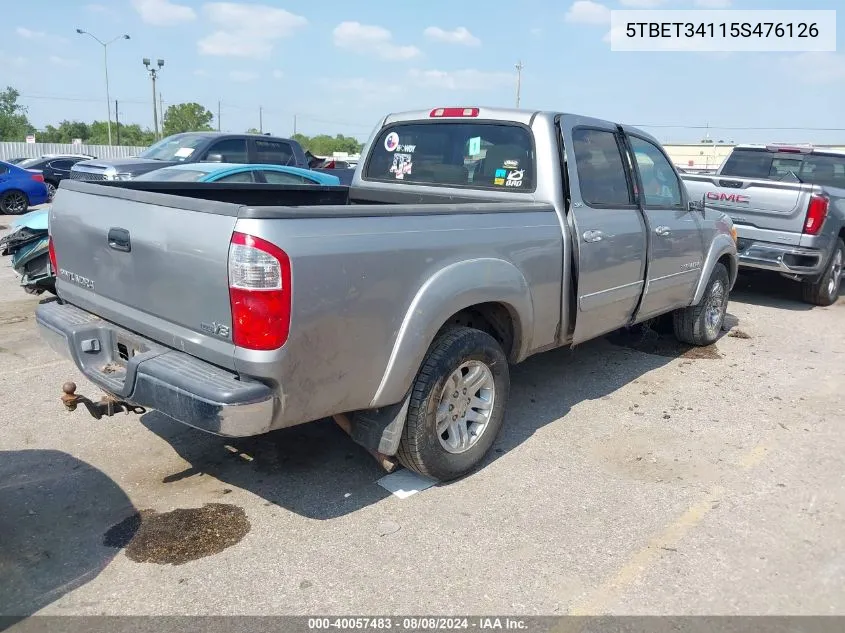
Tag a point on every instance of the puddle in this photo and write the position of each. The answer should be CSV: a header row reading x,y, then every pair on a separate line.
x,y
649,341
179,536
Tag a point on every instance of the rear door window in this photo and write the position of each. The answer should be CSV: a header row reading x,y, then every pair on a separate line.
x,y
490,156
274,152
602,175
282,178
241,176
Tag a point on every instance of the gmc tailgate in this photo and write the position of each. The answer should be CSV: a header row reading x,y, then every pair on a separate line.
x,y
760,209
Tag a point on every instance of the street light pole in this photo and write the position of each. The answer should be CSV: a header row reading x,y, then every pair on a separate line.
x,y
519,66
153,74
105,46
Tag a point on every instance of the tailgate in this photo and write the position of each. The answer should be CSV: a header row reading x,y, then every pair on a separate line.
x,y
768,206
155,264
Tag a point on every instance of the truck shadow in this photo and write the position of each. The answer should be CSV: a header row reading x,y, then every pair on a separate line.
x,y
316,471
50,533
769,290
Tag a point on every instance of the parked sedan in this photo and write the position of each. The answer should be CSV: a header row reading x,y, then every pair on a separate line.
x,y
20,189
231,172
54,168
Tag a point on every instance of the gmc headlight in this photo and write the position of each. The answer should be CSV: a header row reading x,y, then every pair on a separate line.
x,y
123,176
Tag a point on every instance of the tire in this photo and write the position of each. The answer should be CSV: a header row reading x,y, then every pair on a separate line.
x,y
51,189
701,324
825,290
13,202
459,354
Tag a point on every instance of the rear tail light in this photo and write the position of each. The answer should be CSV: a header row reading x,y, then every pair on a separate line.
x,y
52,251
259,293
38,177
816,214
459,112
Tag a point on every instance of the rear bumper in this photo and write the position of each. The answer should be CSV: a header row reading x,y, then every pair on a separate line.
x,y
140,371
792,260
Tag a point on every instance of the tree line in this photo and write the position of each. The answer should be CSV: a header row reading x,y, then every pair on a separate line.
x,y
180,117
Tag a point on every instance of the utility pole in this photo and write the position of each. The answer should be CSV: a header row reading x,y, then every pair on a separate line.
x,y
519,66
218,115
153,74
260,120
294,125
117,120
105,46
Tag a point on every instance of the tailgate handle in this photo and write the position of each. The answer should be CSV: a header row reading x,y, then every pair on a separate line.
x,y
119,240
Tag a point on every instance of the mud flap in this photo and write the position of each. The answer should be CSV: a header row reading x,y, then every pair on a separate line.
x,y
381,429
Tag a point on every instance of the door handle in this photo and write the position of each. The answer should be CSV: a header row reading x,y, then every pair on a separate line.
x,y
593,236
663,231
119,240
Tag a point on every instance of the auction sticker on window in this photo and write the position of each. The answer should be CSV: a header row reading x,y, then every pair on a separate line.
x,y
723,30
391,141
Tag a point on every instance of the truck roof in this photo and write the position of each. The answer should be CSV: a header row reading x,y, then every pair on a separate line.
x,y
802,148
515,115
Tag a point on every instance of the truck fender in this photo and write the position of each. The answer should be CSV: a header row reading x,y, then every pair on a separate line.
x,y
721,245
447,292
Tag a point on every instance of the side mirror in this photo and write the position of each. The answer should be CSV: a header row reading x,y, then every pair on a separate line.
x,y
213,158
696,206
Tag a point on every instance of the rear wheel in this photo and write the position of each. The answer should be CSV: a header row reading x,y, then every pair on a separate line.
x,y
825,290
51,189
701,324
457,405
13,202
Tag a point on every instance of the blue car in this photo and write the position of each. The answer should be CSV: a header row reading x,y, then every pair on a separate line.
x,y
232,172
20,189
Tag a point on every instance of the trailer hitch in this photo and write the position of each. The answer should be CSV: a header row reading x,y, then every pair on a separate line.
x,y
108,405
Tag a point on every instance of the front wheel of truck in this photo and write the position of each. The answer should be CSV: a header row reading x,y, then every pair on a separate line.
x,y
824,291
457,405
701,324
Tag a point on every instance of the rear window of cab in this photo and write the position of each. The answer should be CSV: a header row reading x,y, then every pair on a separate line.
x,y
490,156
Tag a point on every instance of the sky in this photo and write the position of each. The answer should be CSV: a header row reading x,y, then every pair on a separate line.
x,y
334,66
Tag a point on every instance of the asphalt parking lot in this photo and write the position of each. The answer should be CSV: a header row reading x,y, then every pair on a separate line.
x,y
633,476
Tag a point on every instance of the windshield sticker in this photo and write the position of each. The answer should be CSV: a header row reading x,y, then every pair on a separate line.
x,y
515,178
402,164
184,152
499,178
408,149
391,141
475,146
511,164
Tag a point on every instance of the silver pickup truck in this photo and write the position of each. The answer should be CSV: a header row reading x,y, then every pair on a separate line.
x,y
788,206
470,238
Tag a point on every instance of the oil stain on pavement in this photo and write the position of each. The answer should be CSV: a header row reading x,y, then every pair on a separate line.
x,y
179,536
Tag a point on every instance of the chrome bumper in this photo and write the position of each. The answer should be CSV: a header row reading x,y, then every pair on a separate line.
x,y
138,370
794,260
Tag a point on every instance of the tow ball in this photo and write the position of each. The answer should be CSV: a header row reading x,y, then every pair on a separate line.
x,y
108,405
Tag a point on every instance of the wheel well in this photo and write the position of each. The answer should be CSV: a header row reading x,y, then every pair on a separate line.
x,y
494,318
730,263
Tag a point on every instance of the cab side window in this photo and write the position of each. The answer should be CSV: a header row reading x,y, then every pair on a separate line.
x,y
661,187
602,176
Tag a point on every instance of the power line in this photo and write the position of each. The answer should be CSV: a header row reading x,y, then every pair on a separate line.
x,y
719,127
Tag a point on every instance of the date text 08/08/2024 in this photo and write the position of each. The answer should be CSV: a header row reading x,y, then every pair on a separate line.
x,y
418,623
721,29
